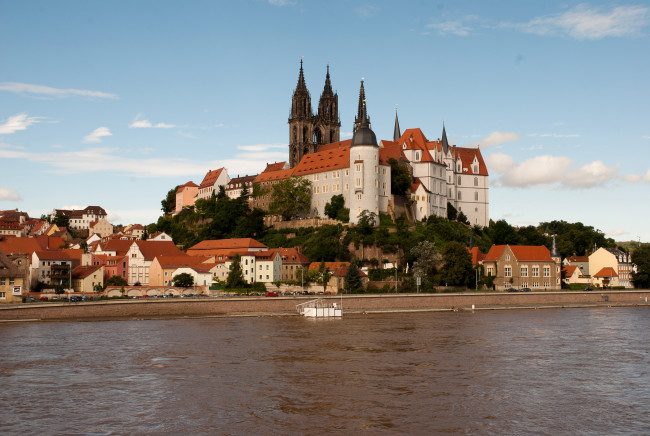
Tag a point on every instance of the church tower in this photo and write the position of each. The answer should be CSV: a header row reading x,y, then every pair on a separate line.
x,y
300,122
326,123
307,131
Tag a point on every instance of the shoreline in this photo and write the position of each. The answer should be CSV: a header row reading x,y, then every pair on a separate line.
x,y
285,306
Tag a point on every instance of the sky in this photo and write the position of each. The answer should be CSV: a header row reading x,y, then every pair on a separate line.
x,y
115,103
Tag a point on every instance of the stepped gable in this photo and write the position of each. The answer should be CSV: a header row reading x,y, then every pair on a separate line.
x,y
210,178
466,156
151,249
13,245
327,160
523,253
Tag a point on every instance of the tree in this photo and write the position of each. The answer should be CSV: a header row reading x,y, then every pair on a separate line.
x,y
400,179
235,277
353,278
426,262
462,218
641,258
169,202
457,265
291,197
61,220
336,203
58,290
452,213
183,280
325,275
366,223
115,281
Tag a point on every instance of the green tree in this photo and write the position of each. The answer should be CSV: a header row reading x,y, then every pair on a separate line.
x,y
58,290
353,278
325,275
61,220
452,213
462,218
235,277
291,197
400,179
183,280
332,207
169,202
426,263
115,281
503,233
457,265
641,258
366,223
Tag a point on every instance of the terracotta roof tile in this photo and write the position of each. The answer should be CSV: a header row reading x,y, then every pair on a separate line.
x,y
608,271
210,178
522,253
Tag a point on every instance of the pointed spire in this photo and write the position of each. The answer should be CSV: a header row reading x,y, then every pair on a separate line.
x,y
445,143
301,79
362,100
363,134
396,132
327,90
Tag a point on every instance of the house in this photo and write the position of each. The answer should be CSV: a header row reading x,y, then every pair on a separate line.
x,y
185,196
52,267
202,274
581,262
619,262
113,265
10,227
87,278
136,231
162,268
81,219
159,236
141,255
211,183
523,266
100,227
338,279
574,275
12,281
268,266
293,260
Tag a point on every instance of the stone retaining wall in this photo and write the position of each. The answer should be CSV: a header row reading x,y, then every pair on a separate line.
x,y
286,305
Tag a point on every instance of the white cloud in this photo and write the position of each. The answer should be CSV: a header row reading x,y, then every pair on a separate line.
x,y
495,138
450,28
96,135
549,170
18,122
9,194
260,147
146,124
613,233
26,88
116,161
585,22
646,177
632,178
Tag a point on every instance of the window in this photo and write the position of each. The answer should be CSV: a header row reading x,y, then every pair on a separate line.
x,y
547,271
475,181
417,155
507,271
347,186
347,172
524,271
458,180
476,196
357,182
357,167
3,295
459,196
490,270
535,271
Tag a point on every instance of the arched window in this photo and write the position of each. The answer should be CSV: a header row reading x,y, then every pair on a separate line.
x,y
458,180
459,196
476,195
475,181
417,155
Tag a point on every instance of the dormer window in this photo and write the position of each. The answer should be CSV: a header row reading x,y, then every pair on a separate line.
x,y
417,155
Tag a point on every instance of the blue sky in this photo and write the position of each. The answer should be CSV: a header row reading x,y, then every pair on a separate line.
x,y
114,103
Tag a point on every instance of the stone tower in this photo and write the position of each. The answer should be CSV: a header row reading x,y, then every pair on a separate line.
x,y
307,131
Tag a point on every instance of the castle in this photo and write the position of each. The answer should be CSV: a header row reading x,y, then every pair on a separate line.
x,y
359,168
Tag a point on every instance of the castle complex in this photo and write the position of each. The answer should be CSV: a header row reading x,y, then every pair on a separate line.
x,y
359,168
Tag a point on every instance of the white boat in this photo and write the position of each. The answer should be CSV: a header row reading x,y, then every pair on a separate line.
x,y
320,308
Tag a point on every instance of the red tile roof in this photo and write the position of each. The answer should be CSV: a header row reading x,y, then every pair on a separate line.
x,y
608,271
275,166
293,255
231,244
522,253
569,270
210,178
266,176
168,262
151,249
466,156
13,245
81,272
582,259
187,185
477,256
331,266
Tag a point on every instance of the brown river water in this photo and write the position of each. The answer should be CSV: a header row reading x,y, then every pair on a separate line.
x,y
558,371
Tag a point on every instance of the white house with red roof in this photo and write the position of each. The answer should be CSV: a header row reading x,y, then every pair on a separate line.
x,y
211,183
81,219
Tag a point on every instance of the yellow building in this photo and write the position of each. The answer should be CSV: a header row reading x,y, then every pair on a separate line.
x,y
86,278
101,227
12,282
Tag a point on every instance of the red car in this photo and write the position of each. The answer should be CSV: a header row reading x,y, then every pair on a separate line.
x,y
270,294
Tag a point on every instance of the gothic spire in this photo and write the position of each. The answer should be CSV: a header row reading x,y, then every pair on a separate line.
x,y
363,134
302,86
445,143
327,89
360,112
301,104
396,132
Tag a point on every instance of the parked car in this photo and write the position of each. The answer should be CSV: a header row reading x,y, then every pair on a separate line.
x,y
75,299
525,289
271,294
28,299
589,289
512,290
42,299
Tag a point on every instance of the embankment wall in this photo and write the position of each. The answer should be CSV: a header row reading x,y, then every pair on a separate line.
x,y
287,305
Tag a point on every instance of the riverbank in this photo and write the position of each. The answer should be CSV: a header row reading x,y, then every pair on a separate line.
x,y
286,306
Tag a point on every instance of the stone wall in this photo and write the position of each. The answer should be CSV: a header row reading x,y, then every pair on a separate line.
x,y
145,308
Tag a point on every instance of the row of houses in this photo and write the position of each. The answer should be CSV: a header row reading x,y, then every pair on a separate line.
x,y
604,267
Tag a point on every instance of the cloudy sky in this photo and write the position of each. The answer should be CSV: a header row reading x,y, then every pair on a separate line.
x,y
114,103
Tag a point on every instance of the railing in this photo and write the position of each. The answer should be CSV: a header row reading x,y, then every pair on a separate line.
x,y
320,308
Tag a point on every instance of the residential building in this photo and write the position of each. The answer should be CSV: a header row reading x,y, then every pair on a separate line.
x,y
581,262
81,219
211,183
53,267
162,268
215,247
523,266
10,227
159,236
136,231
619,262
268,266
293,261
100,227
87,278
236,186
12,281
186,196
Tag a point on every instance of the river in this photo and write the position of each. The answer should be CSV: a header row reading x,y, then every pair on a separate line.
x,y
556,371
